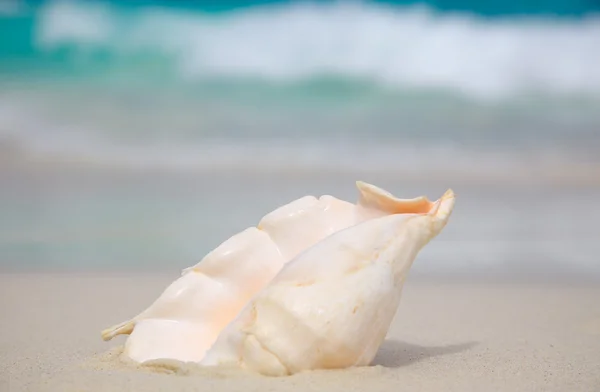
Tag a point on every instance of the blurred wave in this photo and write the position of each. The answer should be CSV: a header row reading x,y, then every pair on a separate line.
x,y
297,84
393,47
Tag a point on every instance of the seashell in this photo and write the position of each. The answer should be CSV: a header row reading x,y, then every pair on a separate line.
x,y
331,307
198,311
188,316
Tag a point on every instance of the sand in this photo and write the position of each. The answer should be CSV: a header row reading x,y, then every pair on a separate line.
x,y
447,335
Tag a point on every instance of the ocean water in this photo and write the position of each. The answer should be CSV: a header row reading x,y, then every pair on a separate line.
x,y
498,100
148,84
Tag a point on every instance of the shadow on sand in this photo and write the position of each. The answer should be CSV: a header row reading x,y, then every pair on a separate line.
x,y
394,353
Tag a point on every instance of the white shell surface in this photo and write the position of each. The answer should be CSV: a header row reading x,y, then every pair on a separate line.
x,y
323,236
332,306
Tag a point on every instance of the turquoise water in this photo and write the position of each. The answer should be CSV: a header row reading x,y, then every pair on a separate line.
x,y
449,93
488,49
144,81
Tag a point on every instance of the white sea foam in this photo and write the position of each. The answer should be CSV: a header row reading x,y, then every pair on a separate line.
x,y
395,47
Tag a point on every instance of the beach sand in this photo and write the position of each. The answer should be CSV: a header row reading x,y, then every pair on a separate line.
x,y
452,335
534,327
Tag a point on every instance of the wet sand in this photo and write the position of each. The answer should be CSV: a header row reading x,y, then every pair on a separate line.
x,y
448,334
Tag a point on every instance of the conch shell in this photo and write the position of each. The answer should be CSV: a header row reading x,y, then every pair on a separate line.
x,y
315,285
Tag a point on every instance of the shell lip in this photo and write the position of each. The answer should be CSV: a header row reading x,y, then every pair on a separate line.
x,y
375,197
